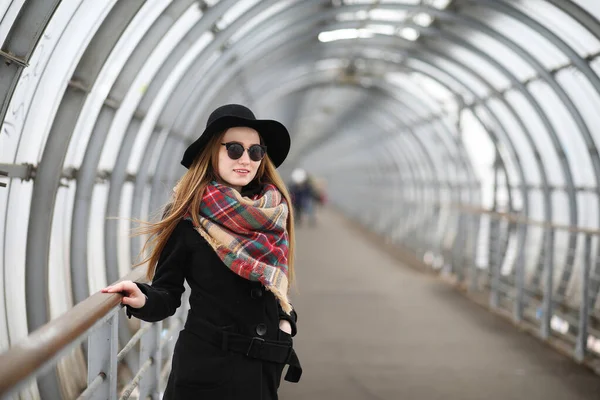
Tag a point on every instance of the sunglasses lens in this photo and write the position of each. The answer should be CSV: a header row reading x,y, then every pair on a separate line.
x,y
256,152
235,151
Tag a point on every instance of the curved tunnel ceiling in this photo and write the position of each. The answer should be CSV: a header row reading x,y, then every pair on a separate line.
x,y
427,102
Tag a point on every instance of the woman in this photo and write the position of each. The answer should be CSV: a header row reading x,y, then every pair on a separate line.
x,y
229,232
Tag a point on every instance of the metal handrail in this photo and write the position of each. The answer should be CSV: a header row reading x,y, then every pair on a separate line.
x,y
45,345
520,219
582,320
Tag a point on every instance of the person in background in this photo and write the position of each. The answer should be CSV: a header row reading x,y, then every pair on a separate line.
x,y
305,195
228,231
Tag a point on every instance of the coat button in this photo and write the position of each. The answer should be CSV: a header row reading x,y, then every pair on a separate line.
x,y
261,329
256,293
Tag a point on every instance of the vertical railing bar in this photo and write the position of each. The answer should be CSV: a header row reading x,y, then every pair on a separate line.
x,y
520,275
548,284
497,257
476,222
582,334
102,359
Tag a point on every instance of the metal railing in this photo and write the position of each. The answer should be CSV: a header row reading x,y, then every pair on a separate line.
x,y
93,324
545,277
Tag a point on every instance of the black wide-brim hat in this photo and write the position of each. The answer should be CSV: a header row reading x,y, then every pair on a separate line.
x,y
275,136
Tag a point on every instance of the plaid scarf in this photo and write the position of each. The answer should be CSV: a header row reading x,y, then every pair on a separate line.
x,y
249,235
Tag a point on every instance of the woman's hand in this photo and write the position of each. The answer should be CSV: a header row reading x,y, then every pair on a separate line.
x,y
285,326
132,295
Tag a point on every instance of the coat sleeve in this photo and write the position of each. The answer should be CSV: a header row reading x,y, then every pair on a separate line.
x,y
292,318
164,294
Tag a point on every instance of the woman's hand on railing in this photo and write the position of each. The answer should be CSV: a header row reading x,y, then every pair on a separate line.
x,y
132,295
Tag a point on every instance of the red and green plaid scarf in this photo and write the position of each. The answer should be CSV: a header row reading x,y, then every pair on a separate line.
x,y
249,235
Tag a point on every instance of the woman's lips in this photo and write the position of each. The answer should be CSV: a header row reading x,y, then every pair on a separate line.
x,y
241,171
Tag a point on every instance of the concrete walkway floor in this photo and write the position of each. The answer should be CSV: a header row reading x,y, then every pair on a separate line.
x,y
372,328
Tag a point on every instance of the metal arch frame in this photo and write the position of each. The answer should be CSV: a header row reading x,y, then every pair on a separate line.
x,y
194,88
496,36
521,232
176,112
564,97
458,148
421,176
399,159
519,168
88,170
594,80
572,203
267,91
20,43
48,177
428,176
313,21
579,14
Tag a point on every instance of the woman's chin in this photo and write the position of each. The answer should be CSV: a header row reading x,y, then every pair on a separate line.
x,y
240,181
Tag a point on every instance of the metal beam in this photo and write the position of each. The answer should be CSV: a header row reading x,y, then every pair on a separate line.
x,y
19,45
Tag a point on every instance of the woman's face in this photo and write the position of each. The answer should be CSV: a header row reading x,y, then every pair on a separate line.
x,y
240,172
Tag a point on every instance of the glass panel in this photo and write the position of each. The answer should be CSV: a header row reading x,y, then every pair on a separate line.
x,y
535,235
462,76
256,21
588,210
4,265
592,6
503,54
481,151
96,245
523,36
441,78
502,146
585,97
480,66
9,10
234,12
15,244
561,206
43,78
74,34
568,133
539,136
112,67
561,24
137,89
573,293
59,271
124,227
517,136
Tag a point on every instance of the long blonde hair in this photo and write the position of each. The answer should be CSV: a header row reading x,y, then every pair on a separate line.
x,y
188,196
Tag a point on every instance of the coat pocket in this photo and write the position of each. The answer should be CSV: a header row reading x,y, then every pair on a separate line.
x,y
200,365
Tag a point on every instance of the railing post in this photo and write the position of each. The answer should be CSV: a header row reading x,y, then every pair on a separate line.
x,y
582,334
150,348
548,284
520,274
102,358
474,275
496,258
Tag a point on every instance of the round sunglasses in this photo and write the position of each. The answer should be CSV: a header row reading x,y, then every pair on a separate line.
x,y
235,150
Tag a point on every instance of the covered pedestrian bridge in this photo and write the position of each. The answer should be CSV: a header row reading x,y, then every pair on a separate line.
x,y
455,143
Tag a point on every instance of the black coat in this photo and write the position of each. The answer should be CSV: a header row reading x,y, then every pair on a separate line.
x,y
220,299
